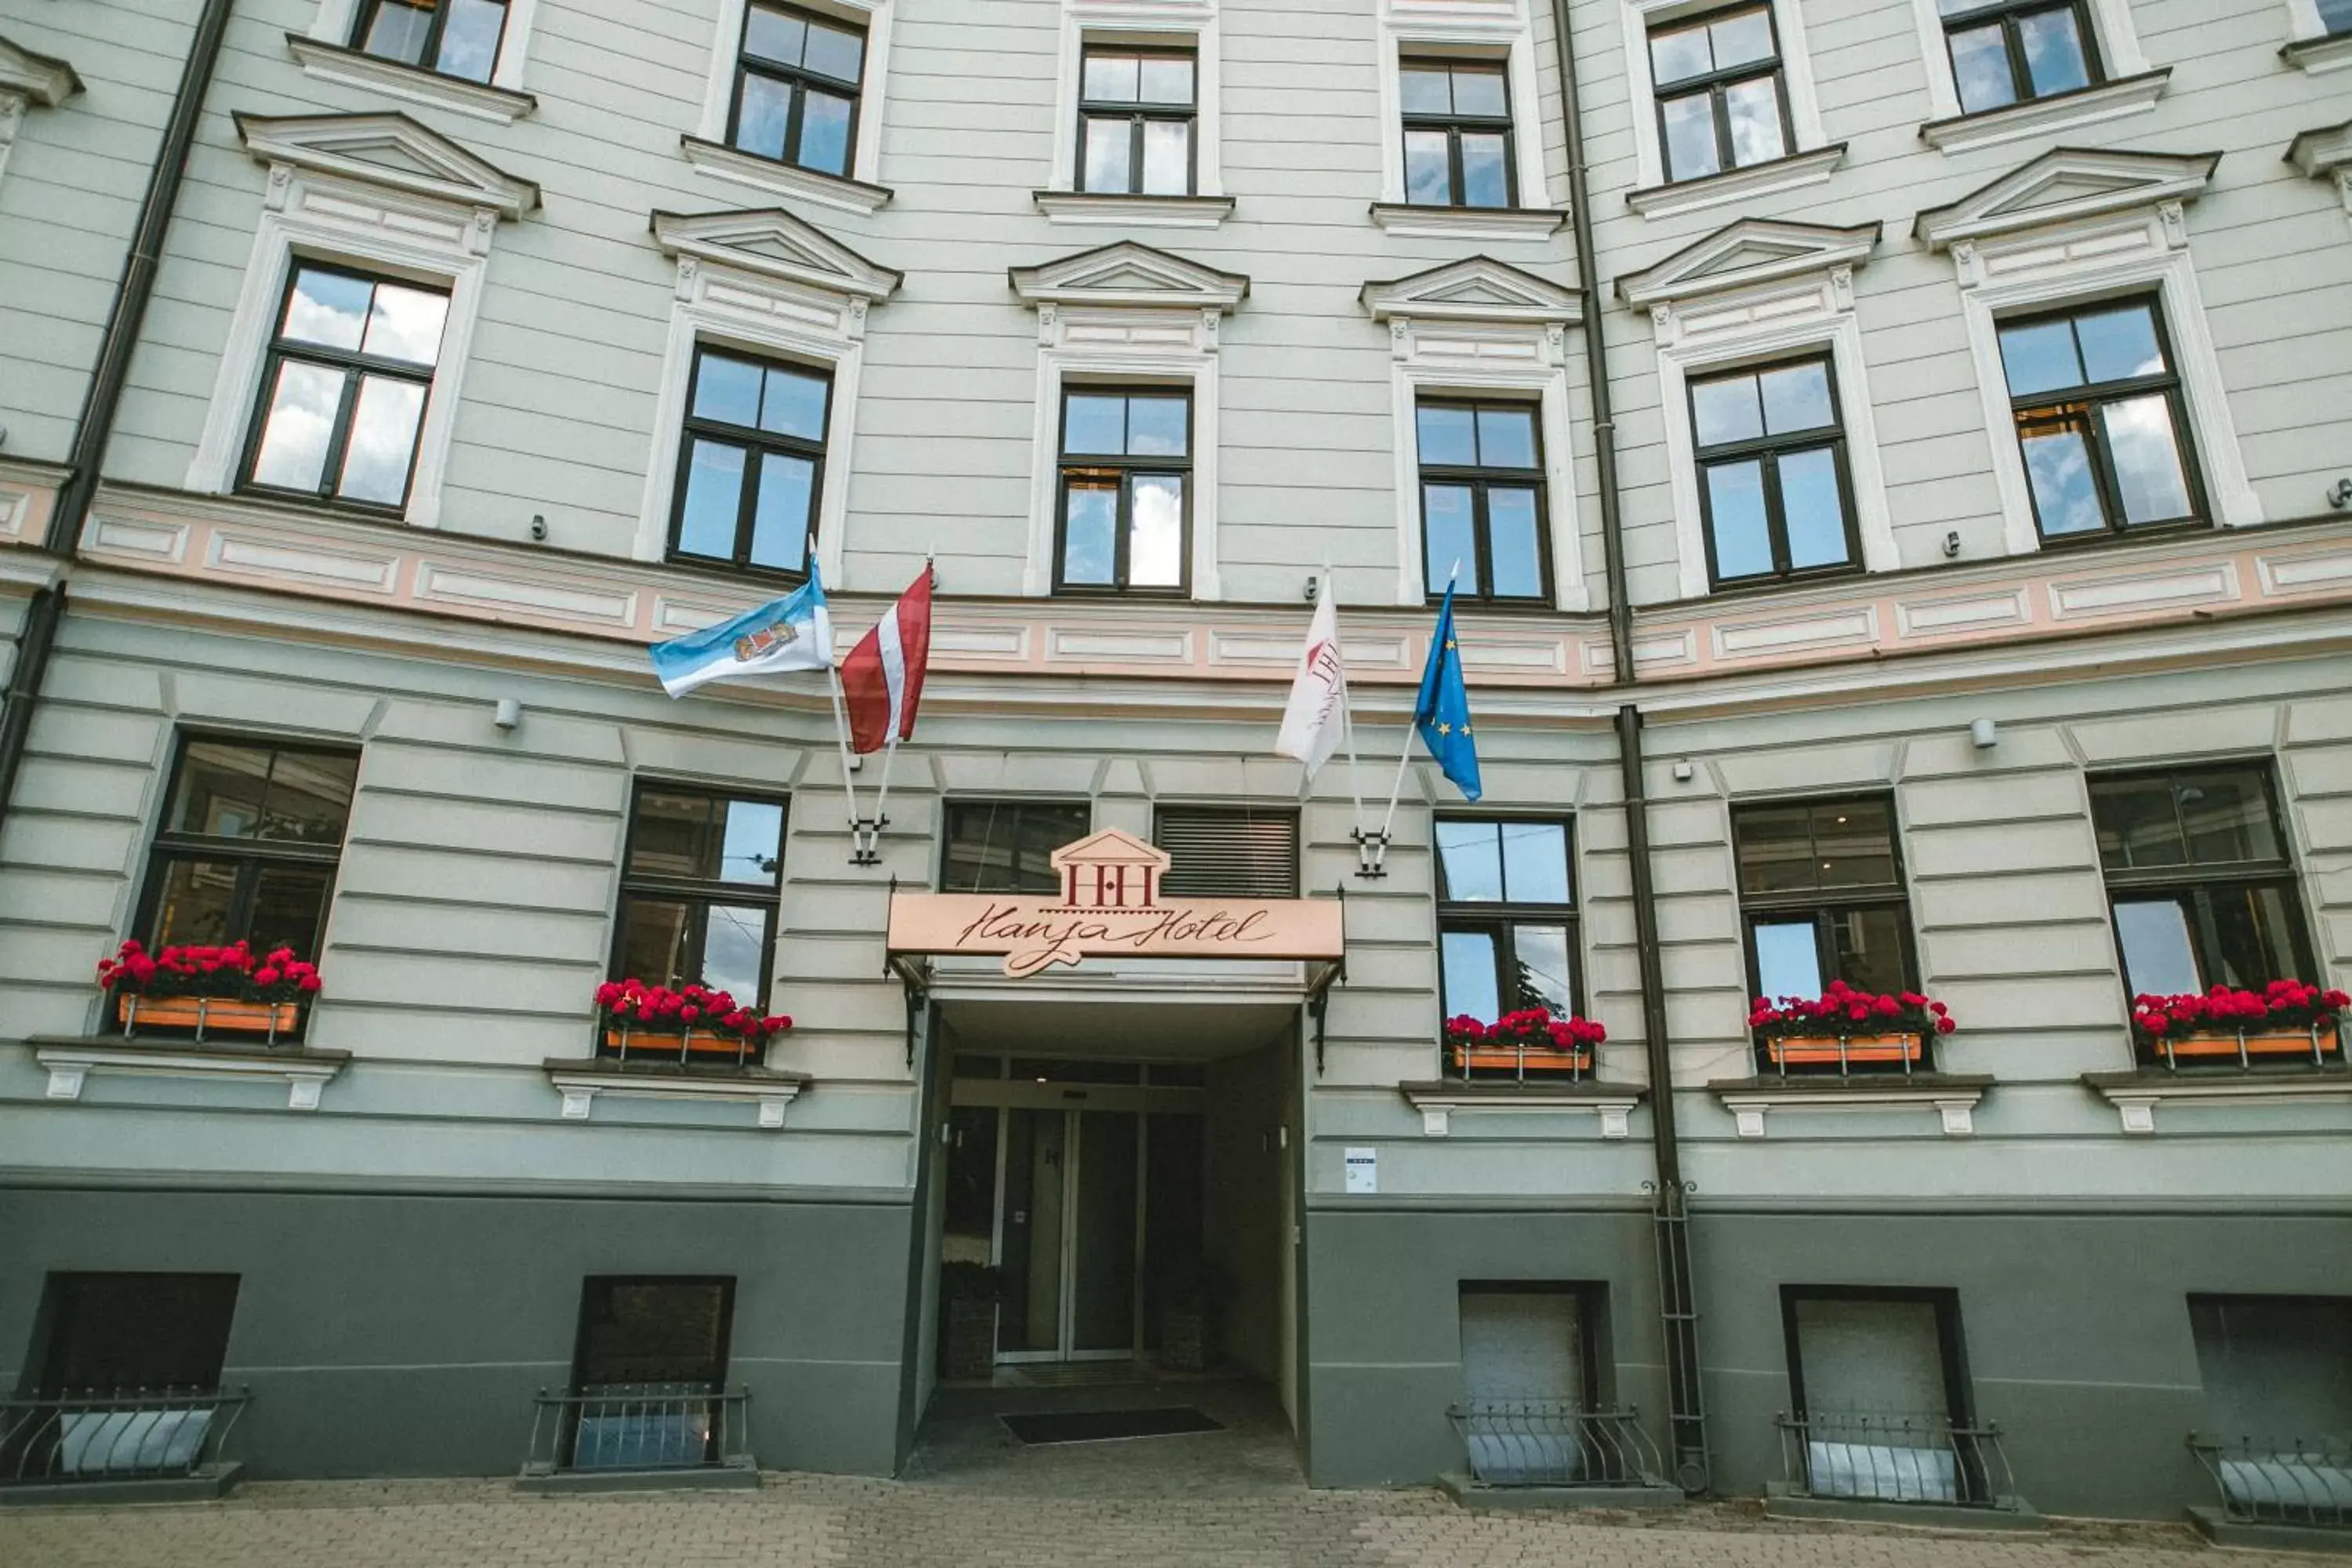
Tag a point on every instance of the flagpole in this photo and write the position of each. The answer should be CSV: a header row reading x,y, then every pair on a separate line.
x,y
1346,708
882,796
841,733
1406,755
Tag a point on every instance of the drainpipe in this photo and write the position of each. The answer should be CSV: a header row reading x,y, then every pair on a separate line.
x,y
1678,1305
106,383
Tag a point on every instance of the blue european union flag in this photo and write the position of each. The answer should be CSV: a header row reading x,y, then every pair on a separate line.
x,y
1442,712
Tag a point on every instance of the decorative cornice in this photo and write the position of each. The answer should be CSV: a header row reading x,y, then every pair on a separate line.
x,y
2066,184
580,1082
775,243
41,79
1096,208
2322,152
2317,55
1129,273
354,146
1410,222
1953,1095
1440,1100
2136,1095
1789,174
1750,251
778,178
323,61
1475,289
70,1062
2045,116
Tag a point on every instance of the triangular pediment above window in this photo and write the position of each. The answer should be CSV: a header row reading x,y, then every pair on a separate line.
x,y
389,149
43,80
1128,274
1750,251
772,243
1478,288
2066,184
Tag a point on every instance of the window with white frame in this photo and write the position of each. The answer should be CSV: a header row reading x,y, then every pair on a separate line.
x,y
756,419
2100,383
1136,122
1723,103
451,38
793,105
1126,489
2319,34
1136,108
1462,149
2002,69
463,56
1771,442
339,381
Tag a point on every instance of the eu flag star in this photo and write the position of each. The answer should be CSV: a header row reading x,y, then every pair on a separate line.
x,y
1445,729
1450,645
1466,731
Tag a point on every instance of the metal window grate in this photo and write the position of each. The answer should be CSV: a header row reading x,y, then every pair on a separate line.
x,y
1229,854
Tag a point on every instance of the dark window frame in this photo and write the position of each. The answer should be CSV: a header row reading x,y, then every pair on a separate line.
x,y
1129,467
697,892
753,443
955,805
40,1376
1595,1354
800,79
1766,450
1139,114
1479,479
436,24
1496,917
2010,13
1199,810
589,1283
2091,396
1960,1393
354,366
1715,83
1453,123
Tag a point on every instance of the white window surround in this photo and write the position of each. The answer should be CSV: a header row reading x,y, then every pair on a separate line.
x,y
1748,294
1482,30
1470,329
1164,23
2078,225
771,1092
1954,1102
2311,47
1126,313
2129,88
2327,155
1810,161
769,283
304,1073
862,191
28,80
379,191
501,100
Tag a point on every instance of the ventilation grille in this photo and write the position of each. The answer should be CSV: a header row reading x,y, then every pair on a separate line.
x,y
1229,854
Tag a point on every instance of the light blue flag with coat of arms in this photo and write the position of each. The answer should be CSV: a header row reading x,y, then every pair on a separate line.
x,y
1442,714
791,633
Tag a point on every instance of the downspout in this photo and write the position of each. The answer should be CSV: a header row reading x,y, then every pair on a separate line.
x,y
1677,1306
96,423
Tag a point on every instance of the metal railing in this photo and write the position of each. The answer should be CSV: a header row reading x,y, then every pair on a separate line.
x,y
639,1426
2281,1480
1894,1457
1554,1443
95,1436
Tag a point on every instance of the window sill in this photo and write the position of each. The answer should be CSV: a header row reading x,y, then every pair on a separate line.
x,y
1786,173
304,1071
1093,207
2317,55
1441,1100
351,68
1953,1095
2136,1094
724,163
581,1079
2044,116
1468,223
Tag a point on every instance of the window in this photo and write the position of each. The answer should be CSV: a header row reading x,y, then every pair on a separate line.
x,y
699,890
2334,17
1457,133
121,1334
648,1365
2199,880
1135,123
2007,51
1773,490
1227,852
1720,101
1526,1342
2277,1372
1821,894
1878,1387
1506,933
452,38
796,88
343,387
250,837
1006,846
750,462
1126,511
1481,501
2100,420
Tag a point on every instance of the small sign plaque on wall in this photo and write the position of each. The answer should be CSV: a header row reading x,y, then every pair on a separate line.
x,y
1363,1170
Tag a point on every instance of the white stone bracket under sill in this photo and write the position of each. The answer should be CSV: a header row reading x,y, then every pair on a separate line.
x,y
1438,1108
2047,116
722,162
2136,1101
1789,174
580,1091
1099,210
2316,55
1408,222
69,1068
323,61
1955,1107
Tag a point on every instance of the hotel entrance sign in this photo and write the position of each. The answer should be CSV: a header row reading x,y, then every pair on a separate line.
x,y
1110,904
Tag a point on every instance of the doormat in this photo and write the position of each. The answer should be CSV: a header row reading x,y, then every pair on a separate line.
x,y
1100,1426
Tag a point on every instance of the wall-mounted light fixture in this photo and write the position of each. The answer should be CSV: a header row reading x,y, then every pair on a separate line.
x,y
1683,771
1984,733
2339,494
508,713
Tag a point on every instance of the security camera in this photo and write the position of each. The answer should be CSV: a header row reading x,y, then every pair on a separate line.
x,y
2339,494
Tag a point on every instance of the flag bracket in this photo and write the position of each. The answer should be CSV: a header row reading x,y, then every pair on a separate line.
x,y
866,839
1319,981
1371,852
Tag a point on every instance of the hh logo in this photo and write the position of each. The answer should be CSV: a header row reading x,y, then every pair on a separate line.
x,y
1110,871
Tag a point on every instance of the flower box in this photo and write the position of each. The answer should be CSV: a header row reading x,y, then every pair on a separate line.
x,y
1843,1029
206,1015
2316,1043
1469,1058
208,991
1831,1050
2285,1020
691,1045
1519,1043
688,1025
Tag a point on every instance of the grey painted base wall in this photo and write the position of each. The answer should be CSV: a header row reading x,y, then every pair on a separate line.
x,y
398,1334
2075,1325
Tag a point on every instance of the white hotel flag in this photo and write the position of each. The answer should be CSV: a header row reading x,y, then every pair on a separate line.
x,y
1315,724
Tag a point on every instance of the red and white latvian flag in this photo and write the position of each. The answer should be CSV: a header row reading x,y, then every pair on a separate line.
x,y
882,679
1316,722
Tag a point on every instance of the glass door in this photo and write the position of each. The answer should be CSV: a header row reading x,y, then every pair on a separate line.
x,y
1036,1180
1068,1211
1102,1231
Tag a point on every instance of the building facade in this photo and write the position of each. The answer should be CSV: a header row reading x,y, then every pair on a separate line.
x,y
1964,495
